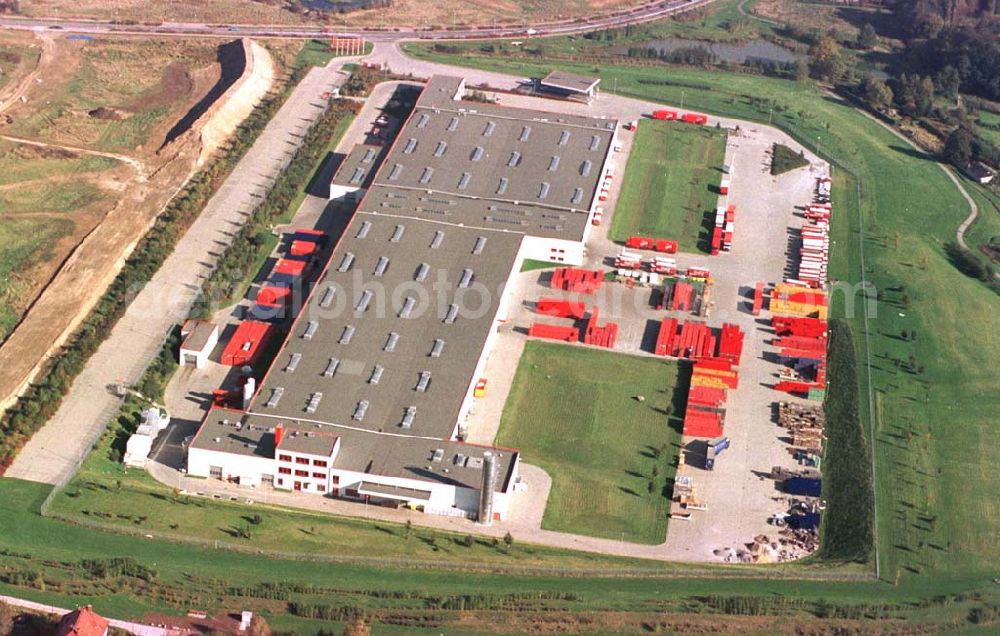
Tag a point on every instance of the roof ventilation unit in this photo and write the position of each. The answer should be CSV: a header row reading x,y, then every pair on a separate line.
x,y
369,156
331,367
490,127
276,394
453,124
397,234
345,264
408,415
442,146
543,190
407,308
364,301
452,314
463,181
437,348
376,374
426,176
424,118
595,142
480,244
515,159
438,455
394,173
585,168
577,195
347,334
564,138
360,410
466,279
525,133
310,331
423,382
390,342
436,241
380,267
503,185
554,163
366,227
327,298
314,402
477,153
411,145
359,174
422,272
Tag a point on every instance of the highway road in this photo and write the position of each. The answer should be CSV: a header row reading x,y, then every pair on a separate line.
x,y
637,15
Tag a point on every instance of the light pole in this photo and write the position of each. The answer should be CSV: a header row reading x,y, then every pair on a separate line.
x,y
682,98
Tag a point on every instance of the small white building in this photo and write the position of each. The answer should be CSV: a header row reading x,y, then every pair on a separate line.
x,y
140,443
198,339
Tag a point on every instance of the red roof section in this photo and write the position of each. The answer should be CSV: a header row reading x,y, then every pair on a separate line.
x,y
82,622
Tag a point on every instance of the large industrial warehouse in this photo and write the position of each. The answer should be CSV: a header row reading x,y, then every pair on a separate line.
x,y
367,397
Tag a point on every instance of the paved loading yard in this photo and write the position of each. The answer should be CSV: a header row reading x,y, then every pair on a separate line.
x,y
765,208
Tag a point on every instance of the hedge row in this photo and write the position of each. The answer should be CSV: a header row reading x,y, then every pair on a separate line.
x,y
242,252
41,400
848,525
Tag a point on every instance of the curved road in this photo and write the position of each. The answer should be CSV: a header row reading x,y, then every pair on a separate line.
x,y
642,13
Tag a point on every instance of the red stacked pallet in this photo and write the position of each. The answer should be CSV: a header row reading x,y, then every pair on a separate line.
x,y
583,281
561,308
303,248
731,343
694,118
665,338
683,294
758,299
791,326
554,332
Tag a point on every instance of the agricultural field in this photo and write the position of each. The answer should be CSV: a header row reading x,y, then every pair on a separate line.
x,y
934,400
415,13
574,413
671,184
991,130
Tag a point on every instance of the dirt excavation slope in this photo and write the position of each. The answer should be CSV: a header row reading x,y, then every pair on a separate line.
x,y
91,267
239,100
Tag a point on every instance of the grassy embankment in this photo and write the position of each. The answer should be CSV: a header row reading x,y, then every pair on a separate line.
x,y
934,396
671,184
612,458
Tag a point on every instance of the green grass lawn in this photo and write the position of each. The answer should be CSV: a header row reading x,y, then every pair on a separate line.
x,y
55,197
784,159
671,183
990,134
317,52
932,429
572,411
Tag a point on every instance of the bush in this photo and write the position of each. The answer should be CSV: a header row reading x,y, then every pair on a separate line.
x,y
784,159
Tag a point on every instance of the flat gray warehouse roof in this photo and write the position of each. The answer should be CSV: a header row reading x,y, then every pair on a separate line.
x,y
358,354
358,167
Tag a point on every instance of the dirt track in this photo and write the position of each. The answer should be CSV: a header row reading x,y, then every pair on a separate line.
x,y
100,255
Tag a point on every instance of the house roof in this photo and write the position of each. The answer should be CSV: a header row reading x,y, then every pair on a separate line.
x,y
82,621
199,334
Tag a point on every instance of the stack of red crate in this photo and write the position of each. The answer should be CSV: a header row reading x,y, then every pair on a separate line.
x,y
683,295
584,281
561,308
731,343
554,332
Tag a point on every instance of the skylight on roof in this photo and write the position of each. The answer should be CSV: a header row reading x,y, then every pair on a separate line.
x,y
480,244
408,304
525,133
502,187
364,301
314,402
543,190
422,272
423,382
366,226
327,298
441,147
311,329
369,155
437,348
397,169
553,163
391,342
585,167
595,142
408,416
426,176
411,145
564,138
451,315
463,181
477,153
577,195
331,367
466,279
293,362
381,266
424,118
515,159
397,233
360,410
490,127
346,262
376,375
276,394
438,238
359,174
347,334
453,124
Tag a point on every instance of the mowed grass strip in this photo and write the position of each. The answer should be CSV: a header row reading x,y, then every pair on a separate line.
x,y
573,412
671,183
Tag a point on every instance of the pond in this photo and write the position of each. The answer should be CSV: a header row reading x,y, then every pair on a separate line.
x,y
737,52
